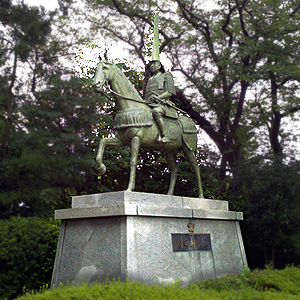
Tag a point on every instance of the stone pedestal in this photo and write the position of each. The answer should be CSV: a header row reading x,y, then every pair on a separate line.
x,y
146,237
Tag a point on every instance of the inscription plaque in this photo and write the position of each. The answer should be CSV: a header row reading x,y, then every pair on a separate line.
x,y
183,242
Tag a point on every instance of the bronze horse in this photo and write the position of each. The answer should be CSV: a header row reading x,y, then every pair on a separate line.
x,y
135,127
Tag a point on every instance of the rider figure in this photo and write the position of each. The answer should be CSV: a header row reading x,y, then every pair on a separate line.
x,y
159,89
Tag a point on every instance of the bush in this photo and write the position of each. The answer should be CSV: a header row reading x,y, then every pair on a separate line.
x,y
26,254
120,290
287,280
269,281
266,284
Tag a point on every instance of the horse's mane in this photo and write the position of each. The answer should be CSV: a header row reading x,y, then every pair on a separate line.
x,y
131,87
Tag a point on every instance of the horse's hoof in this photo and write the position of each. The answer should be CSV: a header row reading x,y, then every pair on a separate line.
x,y
130,189
102,169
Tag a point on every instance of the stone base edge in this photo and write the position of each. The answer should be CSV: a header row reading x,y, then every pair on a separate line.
x,y
144,210
148,199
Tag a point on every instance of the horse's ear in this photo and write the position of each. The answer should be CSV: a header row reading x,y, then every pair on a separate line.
x,y
105,54
100,58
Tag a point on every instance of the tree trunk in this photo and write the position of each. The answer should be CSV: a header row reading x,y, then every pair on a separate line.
x,y
229,147
276,118
273,253
265,252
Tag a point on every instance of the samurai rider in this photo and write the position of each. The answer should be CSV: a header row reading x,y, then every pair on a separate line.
x,y
157,92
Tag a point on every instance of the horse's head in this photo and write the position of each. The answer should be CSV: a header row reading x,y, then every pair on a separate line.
x,y
104,73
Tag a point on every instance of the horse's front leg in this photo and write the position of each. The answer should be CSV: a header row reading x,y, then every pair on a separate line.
x,y
135,149
115,142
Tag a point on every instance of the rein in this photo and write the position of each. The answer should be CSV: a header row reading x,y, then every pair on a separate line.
x,y
127,98
135,100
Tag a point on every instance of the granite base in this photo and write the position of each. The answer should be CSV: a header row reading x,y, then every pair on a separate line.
x,y
129,235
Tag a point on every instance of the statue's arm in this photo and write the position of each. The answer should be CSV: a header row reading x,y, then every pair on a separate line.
x,y
167,82
170,87
165,95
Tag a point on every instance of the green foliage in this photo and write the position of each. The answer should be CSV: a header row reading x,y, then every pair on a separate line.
x,y
266,284
31,26
27,249
268,194
241,63
27,165
119,290
54,153
279,282
286,280
47,261
24,34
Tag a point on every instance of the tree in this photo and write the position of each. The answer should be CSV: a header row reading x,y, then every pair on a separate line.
x,y
39,96
224,54
25,31
54,156
270,198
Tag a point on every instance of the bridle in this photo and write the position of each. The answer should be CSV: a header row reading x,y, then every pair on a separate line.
x,y
128,98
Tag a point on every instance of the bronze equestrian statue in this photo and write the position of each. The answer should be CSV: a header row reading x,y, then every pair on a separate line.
x,y
152,123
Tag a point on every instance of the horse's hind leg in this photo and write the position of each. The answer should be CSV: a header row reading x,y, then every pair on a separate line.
x,y
135,149
105,142
171,161
193,162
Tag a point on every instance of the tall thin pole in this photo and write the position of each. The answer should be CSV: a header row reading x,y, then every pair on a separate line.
x,y
155,52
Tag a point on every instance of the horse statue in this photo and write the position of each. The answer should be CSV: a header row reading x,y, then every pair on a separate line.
x,y
136,128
